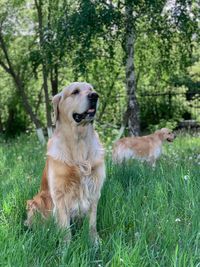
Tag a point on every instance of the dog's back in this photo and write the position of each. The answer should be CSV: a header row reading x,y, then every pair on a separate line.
x,y
130,147
146,148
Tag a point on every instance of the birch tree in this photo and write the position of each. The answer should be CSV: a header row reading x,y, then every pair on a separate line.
x,y
139,18
131,117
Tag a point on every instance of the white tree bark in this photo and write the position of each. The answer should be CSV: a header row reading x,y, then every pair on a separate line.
x,y
132,114
50,131
40,136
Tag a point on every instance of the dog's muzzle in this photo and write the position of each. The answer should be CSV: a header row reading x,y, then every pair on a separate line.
x,y
170,140
88,115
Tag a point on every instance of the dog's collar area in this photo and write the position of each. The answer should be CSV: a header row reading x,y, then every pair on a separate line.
x,y
88,115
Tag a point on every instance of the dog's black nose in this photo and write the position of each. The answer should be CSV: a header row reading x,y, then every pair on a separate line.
x,y
93,96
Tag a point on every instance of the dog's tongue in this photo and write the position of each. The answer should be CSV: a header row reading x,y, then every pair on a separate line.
x,y
91,110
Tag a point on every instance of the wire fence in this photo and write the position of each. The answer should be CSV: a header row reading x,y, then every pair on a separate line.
x,y
171,102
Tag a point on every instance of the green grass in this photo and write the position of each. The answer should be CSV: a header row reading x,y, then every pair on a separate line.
x,y
145,217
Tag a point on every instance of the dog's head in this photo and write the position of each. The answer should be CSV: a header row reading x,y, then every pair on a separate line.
x,y
166,134
77,103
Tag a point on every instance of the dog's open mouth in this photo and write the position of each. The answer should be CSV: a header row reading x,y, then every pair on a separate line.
x,y
169,140
87,116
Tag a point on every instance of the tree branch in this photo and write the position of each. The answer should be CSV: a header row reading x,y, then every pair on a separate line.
x,y
39,100
19,83
6,68
3,47
108,95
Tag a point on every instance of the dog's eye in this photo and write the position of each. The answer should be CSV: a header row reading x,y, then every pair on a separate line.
x,y
76,92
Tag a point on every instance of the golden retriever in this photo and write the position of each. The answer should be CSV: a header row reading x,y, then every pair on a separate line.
x,y
75,170
146,148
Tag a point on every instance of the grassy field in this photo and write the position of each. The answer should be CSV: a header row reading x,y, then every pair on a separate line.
x,y
145,217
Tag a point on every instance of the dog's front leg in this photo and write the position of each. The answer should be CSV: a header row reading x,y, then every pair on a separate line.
x,y
62,215
98,175
58,176
92,223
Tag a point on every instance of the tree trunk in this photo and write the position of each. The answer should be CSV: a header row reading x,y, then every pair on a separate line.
x,y
38,5
20,87
131,117
8,67
47,105
105,103
29,110
1,125
54,79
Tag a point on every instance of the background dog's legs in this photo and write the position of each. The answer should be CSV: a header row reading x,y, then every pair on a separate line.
x,y
152,162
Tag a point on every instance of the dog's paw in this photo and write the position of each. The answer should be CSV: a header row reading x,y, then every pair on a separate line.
x,y
67,238
27,223
96,240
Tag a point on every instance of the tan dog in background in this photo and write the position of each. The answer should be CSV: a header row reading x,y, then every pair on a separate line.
x,y
146,148
74,171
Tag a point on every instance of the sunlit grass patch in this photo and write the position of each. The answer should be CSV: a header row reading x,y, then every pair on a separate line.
x,y
146,217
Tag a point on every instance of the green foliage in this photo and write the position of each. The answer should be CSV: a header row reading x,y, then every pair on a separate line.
x,y
160,110
145,217
17,121
84,40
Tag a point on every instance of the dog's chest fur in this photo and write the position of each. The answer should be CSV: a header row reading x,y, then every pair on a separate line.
x,y
157,151
84,157
87,193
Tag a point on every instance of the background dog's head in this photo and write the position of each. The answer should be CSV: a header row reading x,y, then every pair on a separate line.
x,y
77,103
166,134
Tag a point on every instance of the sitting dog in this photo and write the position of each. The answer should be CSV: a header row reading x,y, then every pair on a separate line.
x,y
146,148
74,171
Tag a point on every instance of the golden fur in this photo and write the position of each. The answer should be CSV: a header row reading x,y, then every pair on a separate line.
x,y
74,171
42,202
146,148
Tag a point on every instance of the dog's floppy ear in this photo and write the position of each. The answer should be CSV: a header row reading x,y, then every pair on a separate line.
x,y
55,101
160,133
